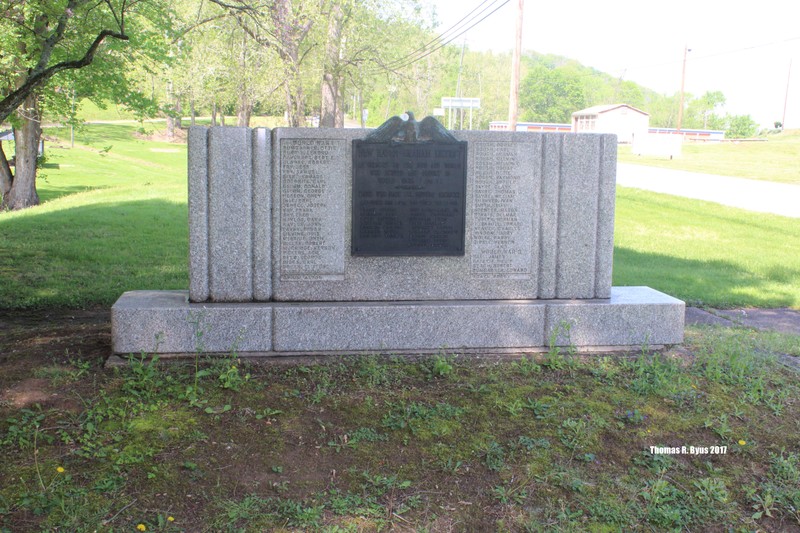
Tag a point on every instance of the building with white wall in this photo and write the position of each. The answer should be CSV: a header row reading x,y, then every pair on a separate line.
x,y
621,119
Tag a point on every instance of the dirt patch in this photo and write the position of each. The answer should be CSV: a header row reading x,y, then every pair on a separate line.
x,y
52,342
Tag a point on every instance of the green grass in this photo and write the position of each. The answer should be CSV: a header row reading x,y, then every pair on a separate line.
x,y
114,218
773,160
88,111
111,220
706,253
372,444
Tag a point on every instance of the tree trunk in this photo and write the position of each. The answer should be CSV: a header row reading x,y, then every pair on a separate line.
x,y
26,147
192,110
331,109
170,117
6,177
295,101
245,110
178,112
214,113
295,104
361,108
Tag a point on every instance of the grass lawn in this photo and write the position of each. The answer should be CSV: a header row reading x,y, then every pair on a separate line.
x,y
113,218
705,253
774,160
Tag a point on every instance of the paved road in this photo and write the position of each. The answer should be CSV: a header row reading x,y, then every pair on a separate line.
x,y
754,195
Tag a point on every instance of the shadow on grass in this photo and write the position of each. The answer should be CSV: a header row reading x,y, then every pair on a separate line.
x,y
714,282
91,254
53,193
104,134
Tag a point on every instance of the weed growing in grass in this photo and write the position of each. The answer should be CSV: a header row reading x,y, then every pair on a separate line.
x,y
449,465
575,433
373,372
494,455
555,359
529,443
720,426
22,431
254,511
655,463
417,416
229,376
657,374
438,367
510,493
526,366
631,417
355,437
144,380
540,408
780,493
512,407
710,497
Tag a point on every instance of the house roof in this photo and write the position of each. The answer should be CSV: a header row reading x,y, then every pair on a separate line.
x,y
598,109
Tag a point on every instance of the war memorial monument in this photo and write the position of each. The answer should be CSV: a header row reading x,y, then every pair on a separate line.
x,y
408,238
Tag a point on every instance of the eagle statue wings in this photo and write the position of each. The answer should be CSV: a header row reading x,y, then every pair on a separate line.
x,y
405,128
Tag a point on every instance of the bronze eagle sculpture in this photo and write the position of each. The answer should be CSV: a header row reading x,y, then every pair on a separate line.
x,y
405,128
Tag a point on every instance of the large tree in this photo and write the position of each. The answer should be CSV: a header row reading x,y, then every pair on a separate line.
x,y
282,26
551,95
40,40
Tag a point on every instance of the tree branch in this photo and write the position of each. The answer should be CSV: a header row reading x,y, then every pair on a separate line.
x,y
38,78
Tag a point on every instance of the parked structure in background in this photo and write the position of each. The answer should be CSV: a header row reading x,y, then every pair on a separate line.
x,y
625,121
502,125
691,135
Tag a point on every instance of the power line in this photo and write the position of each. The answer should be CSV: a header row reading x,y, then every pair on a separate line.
x,y
716,54
440,41
442,35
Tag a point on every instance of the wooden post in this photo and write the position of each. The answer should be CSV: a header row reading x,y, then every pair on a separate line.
x,y
513,100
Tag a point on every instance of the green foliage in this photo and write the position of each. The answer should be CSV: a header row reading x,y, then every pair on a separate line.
x,y
550,95
740,127
438,366
494,455
22,431
419,417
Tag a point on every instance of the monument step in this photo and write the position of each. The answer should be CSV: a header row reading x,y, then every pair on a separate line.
x,y
165,322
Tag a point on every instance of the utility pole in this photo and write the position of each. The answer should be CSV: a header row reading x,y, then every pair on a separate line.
x,y
786,98
513,100
458,82
686,50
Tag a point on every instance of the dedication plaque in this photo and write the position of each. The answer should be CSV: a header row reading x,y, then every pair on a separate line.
x,y
409,198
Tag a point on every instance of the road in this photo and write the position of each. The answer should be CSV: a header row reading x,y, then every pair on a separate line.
x,y
753,195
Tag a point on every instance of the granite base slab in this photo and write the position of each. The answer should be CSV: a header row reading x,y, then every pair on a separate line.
x,y
165,322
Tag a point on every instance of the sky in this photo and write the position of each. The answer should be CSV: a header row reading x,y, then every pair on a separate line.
x,y
743,49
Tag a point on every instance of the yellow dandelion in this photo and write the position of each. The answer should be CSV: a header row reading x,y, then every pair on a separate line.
x,y
60,469
141,527
742,442
170,519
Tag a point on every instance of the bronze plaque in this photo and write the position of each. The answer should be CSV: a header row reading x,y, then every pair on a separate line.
x,y
409,198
